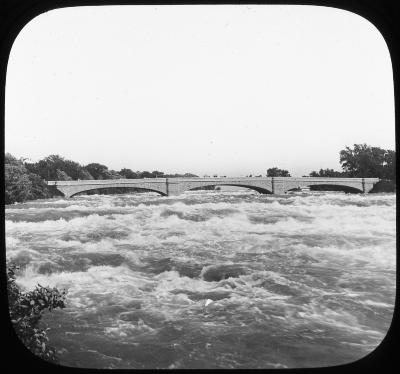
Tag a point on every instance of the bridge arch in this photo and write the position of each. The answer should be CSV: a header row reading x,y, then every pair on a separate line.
x,y
70,192
128,189
328,187
254,188
335,187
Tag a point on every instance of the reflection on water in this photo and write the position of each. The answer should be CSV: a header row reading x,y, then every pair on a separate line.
x,y
211,279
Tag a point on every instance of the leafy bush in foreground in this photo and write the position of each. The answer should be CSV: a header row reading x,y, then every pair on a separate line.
x,y
26,309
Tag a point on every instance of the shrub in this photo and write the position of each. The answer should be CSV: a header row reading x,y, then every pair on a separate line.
x,y
26,309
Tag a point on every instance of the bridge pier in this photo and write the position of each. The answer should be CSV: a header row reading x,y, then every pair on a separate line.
x,y
172,187
278,186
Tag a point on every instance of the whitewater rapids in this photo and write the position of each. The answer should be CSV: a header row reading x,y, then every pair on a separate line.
x,y
211,279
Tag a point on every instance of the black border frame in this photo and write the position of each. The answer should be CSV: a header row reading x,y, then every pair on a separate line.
x,y
15,14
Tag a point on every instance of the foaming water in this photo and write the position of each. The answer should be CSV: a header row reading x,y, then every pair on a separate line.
x,y
211,279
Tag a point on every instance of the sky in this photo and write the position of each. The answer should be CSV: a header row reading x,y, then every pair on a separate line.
x,y
219,89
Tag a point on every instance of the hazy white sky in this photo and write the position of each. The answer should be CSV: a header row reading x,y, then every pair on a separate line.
x,y
227,90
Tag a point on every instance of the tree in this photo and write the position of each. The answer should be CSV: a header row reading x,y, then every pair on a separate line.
x,y
16,180
368,162
275,172
128,173
39,188
111,174
190,175
85,175
62,175
47,167
73,169
98,171
157,174
26,310
330,173
145,174
389,171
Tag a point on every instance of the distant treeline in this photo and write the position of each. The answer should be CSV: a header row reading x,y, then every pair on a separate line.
x,y
26,181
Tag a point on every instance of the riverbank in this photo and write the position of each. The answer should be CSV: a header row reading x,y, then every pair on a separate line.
x,y
384,186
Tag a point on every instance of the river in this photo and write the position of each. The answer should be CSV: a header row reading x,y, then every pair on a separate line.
x,y
228,279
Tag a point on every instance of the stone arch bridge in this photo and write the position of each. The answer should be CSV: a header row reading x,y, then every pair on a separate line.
x,y
176,186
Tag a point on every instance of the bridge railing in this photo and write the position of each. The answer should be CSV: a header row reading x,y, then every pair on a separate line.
x,y
104,181
332,179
